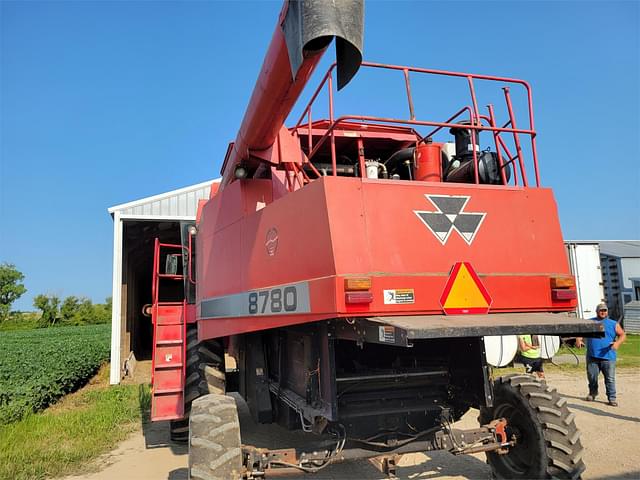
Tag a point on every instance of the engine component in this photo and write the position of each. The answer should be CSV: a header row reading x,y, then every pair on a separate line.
x,y
428,162
488,170
372,169
467,141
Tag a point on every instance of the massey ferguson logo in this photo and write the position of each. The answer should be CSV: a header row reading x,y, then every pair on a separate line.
x,y
271,242
449,216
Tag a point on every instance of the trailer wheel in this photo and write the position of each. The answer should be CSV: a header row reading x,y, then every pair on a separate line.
x,y
205,374
215,449
548,441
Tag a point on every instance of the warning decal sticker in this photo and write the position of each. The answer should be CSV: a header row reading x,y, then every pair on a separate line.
x,y
399,296
387,334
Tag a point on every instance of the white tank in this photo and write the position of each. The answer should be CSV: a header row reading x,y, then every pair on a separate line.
x,y
549,346
500,350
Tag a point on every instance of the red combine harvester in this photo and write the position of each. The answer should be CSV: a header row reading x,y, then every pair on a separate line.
x,y
345,273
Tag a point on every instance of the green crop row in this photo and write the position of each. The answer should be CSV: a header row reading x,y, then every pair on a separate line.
x,y
39,366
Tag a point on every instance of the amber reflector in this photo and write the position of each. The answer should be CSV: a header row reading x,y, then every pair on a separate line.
x,y
563,282
351,284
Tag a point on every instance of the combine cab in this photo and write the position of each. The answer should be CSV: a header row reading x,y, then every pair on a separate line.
x,y
352,266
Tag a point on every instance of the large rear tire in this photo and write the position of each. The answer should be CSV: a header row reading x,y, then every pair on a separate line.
x,y
205,374
215,449
548,441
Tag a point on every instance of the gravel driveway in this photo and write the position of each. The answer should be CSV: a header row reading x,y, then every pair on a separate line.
x,y
611,437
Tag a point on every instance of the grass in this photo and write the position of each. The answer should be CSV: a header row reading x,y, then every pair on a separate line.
x,y
628,357
64,438
20,321
628,353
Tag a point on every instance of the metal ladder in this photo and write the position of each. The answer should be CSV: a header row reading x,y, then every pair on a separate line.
x,y
169,345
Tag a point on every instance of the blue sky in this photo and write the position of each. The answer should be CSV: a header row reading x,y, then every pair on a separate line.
x,y
107,102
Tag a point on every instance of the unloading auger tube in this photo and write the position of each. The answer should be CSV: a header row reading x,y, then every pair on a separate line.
x,y
304,30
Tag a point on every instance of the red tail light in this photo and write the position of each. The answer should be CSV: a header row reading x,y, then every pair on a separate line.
x,y
358,297
563,294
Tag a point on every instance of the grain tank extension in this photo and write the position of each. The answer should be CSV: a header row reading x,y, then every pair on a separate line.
x,y
344,272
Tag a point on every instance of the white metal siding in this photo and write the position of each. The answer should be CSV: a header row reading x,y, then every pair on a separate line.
x,y
630,269
632,317
178,203
584,260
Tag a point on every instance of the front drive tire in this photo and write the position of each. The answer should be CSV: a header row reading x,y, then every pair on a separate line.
x,y
548,441
205,374
215,451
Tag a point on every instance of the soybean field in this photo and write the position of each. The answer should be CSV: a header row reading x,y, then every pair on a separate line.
x,y
39,366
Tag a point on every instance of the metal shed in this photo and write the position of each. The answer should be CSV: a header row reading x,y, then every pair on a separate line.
x,y
620,263
135,226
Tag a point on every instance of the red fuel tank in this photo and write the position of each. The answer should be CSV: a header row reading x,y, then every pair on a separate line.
x,y
428,162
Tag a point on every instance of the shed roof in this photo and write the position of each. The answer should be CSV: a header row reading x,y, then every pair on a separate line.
x,y
620,248
176,203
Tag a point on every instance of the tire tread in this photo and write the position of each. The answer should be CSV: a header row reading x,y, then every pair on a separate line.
x,y
561,451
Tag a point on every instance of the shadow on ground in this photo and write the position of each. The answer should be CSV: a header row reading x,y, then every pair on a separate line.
x,y
602,413
630,475
156,434
178,474
599,408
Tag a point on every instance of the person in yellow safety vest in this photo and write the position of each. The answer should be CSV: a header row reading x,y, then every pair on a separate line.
x,y
529,347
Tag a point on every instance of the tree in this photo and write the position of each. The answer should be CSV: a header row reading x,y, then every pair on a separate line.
x,y
102,311
69,308
85,313
11,288
50,307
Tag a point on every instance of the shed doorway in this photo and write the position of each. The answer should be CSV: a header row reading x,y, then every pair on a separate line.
x,y
137,276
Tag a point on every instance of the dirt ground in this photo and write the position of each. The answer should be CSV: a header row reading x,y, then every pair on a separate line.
x,y
611,437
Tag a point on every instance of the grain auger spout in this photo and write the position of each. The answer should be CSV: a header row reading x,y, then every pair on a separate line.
x,y
304,30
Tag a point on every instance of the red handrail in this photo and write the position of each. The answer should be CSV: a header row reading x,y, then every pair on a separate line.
x,y
474,114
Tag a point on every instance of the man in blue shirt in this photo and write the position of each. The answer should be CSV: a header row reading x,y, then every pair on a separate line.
x,y
601,355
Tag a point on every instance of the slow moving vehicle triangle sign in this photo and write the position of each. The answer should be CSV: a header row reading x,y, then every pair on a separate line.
x,y
464,292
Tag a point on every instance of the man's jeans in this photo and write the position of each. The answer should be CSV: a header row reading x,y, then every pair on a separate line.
x,y
608,369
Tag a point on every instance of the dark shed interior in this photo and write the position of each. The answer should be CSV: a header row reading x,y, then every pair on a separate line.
x,y
137,276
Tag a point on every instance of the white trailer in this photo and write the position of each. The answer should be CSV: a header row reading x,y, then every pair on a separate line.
x,y
584,260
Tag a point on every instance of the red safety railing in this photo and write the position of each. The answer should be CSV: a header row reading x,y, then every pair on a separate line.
x,y
475,119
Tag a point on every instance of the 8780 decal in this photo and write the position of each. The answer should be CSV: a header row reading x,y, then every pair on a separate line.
x,y
273,300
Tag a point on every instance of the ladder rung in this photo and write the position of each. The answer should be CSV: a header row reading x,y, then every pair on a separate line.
x,y
169,342
167,367
167,390
167,275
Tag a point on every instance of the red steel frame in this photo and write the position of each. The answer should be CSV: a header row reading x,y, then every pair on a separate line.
x,y
475,118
